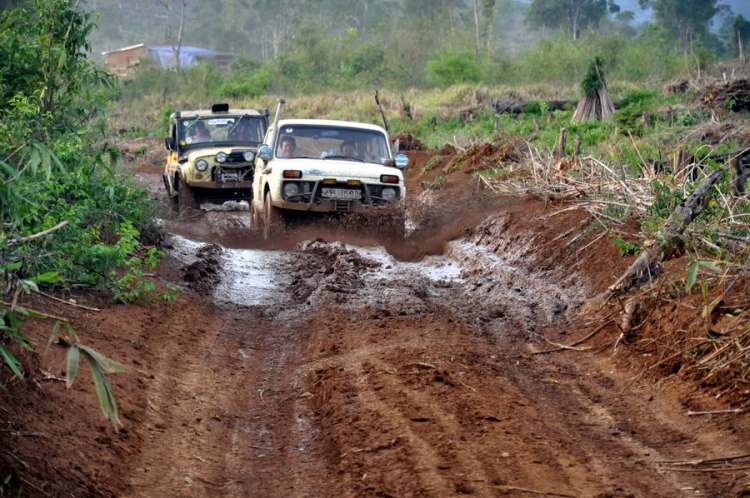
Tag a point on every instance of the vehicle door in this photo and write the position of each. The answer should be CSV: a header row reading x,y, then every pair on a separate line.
x,y
260,179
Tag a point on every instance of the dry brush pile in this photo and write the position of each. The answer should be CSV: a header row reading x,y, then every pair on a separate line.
x,y
683,304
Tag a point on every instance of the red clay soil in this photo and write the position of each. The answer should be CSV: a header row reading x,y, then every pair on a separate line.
x,y
355,385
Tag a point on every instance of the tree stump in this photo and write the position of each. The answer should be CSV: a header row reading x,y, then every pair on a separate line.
x,y
562,143
739,176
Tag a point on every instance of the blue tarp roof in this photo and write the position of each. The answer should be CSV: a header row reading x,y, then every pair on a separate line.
x,y
165,55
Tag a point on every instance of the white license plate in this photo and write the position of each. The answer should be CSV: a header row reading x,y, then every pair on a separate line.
x,y
340,193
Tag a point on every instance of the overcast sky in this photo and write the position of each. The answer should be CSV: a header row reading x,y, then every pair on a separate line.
x,y
738,7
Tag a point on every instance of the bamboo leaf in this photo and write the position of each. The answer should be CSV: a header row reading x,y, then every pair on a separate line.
x,y
71,333
33,160
49,277
74,356
692,277
11,361
52,337
709,308
105,363
101,391
710,266
107,400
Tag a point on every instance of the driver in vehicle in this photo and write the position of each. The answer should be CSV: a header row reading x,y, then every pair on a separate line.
x,y
287,146
200,133
349,149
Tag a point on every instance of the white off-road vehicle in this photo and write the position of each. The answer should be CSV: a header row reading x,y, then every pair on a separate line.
x,y
323,166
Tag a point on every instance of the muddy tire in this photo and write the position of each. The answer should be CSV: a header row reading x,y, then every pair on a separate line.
x,y
273,220
185,196
256,221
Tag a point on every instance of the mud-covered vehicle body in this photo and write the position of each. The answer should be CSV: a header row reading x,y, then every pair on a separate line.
x,y
212,154
323,166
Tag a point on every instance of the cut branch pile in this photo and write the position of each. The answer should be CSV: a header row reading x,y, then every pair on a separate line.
x,y
596,102
734,95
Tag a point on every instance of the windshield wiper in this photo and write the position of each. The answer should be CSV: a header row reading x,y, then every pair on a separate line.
x,y
229,133
345,157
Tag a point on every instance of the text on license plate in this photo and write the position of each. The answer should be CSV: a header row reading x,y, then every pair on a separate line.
x,y
341,193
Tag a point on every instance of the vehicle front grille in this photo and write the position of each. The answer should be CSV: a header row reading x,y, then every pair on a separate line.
x,y
237,156
342,206
220,174
307,187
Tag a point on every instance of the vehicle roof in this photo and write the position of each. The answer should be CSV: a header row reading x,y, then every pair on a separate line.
x,y
230,112
330,122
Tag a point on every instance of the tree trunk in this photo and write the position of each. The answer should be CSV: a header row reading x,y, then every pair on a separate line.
x,y
575,14
646,267
741,47
476,22
177,51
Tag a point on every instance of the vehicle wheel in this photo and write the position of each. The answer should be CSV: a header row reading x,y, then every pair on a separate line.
x,y
186,196
172,200
273,222
255,220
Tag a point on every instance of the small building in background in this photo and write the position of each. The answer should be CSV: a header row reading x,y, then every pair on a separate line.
x,y
122,61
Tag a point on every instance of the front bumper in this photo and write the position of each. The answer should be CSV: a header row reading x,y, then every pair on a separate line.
x,y
221,185
312,199
325,206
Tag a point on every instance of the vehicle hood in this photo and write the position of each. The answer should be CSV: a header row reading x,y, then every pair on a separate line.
x,y
337,168
212,151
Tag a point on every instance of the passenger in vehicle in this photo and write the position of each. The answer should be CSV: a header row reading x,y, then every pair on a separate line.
x,y
287,146
243,132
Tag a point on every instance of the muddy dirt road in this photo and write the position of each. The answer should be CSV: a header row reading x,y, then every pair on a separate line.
x,y
324,366
332,369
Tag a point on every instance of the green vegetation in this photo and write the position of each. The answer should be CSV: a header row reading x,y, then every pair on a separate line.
x,y
68,216
415,44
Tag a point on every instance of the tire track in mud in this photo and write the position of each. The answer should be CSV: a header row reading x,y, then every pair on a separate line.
x,y
330,371
225,415
427,390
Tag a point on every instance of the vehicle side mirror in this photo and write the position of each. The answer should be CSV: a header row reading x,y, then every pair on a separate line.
x,y
169,143
402,161
265,152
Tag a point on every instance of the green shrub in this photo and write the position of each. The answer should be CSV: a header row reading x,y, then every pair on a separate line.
x,y
454,66
639,99
241,86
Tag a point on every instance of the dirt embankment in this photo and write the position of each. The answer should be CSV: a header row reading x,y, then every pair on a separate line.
x,y
325,370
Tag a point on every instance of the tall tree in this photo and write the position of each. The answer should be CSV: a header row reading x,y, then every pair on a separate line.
x,y
573,15
739,36
686,20
488,21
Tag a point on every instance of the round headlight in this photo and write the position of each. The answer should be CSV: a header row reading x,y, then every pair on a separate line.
x,y
291,189
201,165
249,156
221,157
388,193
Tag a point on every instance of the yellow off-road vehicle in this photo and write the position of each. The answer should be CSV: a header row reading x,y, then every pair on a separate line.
x,y
212,154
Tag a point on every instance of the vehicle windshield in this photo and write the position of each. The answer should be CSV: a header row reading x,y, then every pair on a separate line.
x,y
233,129
332,143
